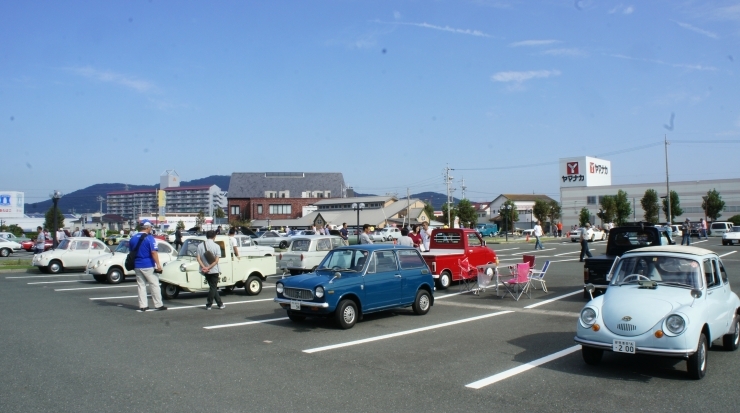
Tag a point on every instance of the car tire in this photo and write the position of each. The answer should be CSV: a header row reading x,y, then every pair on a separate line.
x,y
346,314
422,303
253,286
592,356
296,318
731,341
170,291
55,267
697,362
572,240
99,278
228,289
115,276
283,244
444,280
5,252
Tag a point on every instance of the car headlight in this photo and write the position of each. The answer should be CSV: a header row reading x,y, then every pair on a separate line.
x,y
319,292
588,316
182,268
674,325
279,288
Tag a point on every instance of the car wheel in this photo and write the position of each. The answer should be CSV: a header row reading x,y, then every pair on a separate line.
x,y
5,252
55,267
422,302
572,240
444,281
170,291
283,244
296,318
346,314
99,278
115,276
592,356
253,285
228,289
697,363
731,341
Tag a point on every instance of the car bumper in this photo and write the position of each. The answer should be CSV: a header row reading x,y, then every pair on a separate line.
x,y
307,304
680,353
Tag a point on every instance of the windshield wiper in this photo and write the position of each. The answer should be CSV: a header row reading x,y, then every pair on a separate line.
x,y
674,283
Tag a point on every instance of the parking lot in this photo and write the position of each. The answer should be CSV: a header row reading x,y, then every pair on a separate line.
x,y
71,344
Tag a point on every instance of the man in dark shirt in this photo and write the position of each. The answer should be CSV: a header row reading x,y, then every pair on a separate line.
x,y
344,233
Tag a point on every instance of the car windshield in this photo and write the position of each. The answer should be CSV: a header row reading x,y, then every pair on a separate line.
x,y
735,229
64,245
344,260
668,270
189,248
122,247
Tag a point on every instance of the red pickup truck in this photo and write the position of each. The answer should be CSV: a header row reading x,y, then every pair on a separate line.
x,y
450,246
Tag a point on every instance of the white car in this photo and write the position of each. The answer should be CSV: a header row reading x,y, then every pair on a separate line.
x,y
11,237
247,248
670,301
271,238
8,247
72,253
732,237
391,233
109,267
305,253
594,234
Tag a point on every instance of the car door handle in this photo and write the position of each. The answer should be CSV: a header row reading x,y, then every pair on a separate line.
x,y
397,275
710,293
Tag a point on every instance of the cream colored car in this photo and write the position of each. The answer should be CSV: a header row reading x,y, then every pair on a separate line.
x,y
72,253
306,252
109,267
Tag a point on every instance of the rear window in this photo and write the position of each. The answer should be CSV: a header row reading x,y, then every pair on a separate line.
x,y
300,245
718,225
410,259
635,238
447,237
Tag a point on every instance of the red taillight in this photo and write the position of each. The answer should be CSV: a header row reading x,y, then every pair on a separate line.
x,y
280,257
585,275
301,257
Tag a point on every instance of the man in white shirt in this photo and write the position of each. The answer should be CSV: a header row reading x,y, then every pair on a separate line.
x,y
584,241
405,239
426,235
537,232
234,242
365,236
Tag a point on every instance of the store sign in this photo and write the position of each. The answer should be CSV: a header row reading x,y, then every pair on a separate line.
x,y
11,204
584,171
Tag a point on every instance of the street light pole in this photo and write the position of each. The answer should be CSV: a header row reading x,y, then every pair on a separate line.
x,y
55,196
505,209
357,207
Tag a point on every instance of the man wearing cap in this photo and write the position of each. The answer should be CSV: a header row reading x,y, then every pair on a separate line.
x,y
686,228
584,241
147,259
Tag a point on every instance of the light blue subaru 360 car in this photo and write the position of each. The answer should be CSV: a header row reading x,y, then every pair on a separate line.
x,y
356,280
670,300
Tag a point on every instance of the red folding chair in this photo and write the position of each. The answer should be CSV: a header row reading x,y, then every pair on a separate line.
x,y
468,274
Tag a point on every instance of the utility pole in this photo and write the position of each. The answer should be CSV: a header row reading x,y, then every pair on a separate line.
x,y
463,187
101,200
667,184
448,180
408,207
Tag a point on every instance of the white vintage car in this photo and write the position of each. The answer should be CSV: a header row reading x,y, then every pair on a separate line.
x,y
732,237
594,234
109,267
306,252
8,247
670,301
72,253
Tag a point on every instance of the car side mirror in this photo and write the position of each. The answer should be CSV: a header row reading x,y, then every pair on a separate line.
x,y
590,288
696,293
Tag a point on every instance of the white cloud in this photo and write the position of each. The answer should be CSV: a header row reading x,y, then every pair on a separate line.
x,y
573,52
396,15
620,8
628,10
449,29
660,62
726,13
697,30
519,77
141,86
533,43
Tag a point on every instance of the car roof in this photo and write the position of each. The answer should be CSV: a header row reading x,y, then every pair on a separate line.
x,y
673,248
373,247
297,237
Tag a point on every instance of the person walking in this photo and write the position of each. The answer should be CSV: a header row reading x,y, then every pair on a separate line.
x,y
178,239
40,241
560,229
210,270
686,229
426,235
704,228
405,239
583,233
669,231
234,242
344,234
145,265
537,232
365,236
61,235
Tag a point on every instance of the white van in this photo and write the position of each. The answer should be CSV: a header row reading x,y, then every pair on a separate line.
x,y
717,229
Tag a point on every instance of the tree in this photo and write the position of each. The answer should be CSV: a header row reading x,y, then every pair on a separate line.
x,y
608,211
180,225
651,207
49,219
429,211
467,214
676,210
555,211
541,211
623,207
452,215
735,219
219,213
713,204
200,219
584,216
509,214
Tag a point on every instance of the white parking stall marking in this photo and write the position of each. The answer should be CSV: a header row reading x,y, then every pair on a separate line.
x,y
65,281
507,249
403,333
94,288
728,253
530,252
128,296
553,299
229,303
566,253
520,369
269,320
699,242
572,259
48,276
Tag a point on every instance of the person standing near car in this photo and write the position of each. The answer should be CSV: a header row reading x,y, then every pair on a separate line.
x,y
40,241
686,229
234,242
405,239
178,239
415,237
145,264
583,233
426,235
365,236
210,270
344,233
537,232
704,229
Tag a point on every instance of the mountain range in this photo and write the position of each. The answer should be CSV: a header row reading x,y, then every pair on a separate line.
x,y
86,200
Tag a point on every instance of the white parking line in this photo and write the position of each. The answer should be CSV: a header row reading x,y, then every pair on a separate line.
x,y
566,253
699,242
269,320
572,259
403,333
204,306
553,299
65,281
507,249
530,252
728,253
48,276
128,296
520,369
94,288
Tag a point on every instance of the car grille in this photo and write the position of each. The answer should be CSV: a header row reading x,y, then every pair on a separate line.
x,y
298,293
627,327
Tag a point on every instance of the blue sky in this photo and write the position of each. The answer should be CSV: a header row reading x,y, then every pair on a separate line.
x,y
388,93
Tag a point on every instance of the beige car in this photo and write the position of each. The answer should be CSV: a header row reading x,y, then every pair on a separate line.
x,y
72,253
109,267
306,252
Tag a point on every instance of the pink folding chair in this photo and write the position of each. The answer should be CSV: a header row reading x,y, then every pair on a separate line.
x,y
468,274
520,282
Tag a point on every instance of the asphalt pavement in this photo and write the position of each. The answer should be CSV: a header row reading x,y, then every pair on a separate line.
x,y
71,344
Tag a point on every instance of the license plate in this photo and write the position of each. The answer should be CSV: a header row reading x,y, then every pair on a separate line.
x,y
621,346
295,305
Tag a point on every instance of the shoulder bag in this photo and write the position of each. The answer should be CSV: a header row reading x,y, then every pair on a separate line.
x,y
131,257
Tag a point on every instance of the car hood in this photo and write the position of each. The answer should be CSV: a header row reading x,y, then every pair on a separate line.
x,y
308,281
631,311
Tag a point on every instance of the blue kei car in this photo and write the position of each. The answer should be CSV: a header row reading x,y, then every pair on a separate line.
x,y
356,280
